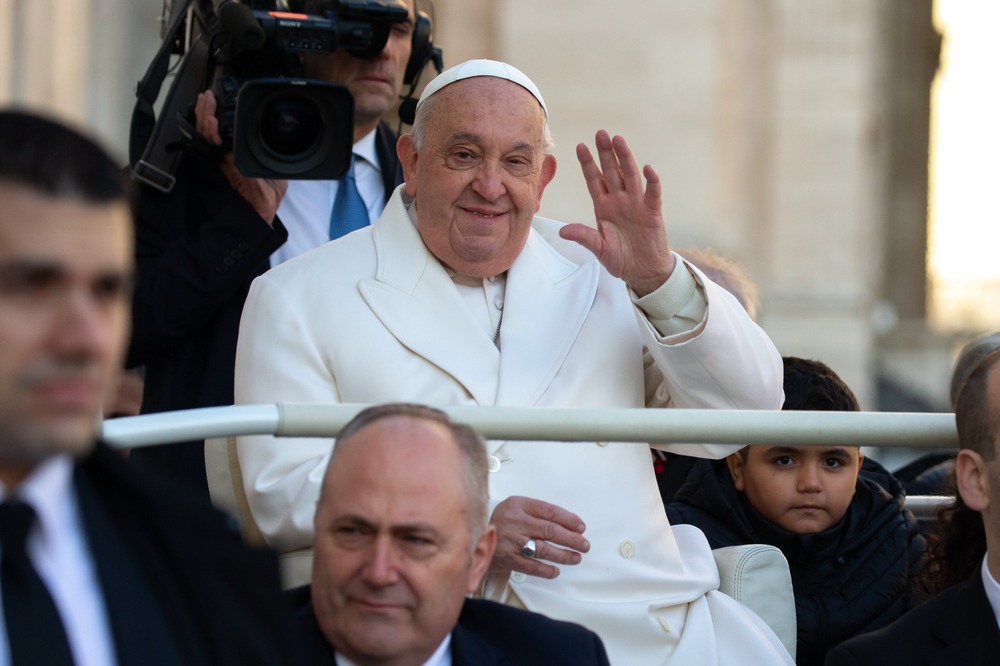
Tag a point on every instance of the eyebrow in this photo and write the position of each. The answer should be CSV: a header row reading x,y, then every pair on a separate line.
x,y
790,450
404,528
477,138
46,268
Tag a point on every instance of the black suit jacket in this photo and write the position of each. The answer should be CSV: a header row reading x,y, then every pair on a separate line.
x,y
957,626
179,585
487,634
198,248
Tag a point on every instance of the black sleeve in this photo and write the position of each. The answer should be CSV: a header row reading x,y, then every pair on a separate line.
x,y
196,247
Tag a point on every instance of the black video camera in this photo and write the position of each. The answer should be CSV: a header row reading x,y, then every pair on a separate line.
x,y
279,124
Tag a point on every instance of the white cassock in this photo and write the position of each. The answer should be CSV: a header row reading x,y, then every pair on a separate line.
x,y
374,317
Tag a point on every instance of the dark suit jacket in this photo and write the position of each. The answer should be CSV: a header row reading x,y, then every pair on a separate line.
x,y
180,586
198,248
487,634
957,626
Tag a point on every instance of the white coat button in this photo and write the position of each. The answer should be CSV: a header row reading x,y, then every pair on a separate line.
x,y
602,443
493,464
518,577
627,549
499,304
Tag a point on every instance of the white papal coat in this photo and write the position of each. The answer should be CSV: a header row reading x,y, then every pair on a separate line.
x,y
374,317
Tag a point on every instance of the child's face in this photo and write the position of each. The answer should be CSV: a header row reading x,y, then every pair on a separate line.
x,y
804,489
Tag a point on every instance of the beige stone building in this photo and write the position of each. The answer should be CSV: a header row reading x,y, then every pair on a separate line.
x,y
792,135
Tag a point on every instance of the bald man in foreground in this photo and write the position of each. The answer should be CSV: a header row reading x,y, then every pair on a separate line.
x,y
401,538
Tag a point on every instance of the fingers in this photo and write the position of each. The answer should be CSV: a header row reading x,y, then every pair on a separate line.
x,y
558,536
205,121
586,236
618,169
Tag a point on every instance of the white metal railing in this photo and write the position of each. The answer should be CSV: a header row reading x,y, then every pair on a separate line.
x,y
793,428
916,430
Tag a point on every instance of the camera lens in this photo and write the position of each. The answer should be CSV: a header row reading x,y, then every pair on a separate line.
x,y
290,126
293,128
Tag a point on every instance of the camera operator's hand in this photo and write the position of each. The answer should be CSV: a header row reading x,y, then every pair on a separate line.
x,y
264,194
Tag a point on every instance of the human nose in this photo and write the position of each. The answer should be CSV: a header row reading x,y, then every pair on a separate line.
x,y
808,480
489,182
381,569
85,325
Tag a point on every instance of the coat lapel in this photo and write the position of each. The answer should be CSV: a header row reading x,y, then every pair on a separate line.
x,y
548,298
547,301
416,300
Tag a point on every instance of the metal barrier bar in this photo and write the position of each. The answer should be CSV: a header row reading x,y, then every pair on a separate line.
x,y
925,507
916,430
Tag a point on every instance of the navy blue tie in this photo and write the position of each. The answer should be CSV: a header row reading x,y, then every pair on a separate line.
x,y
35,632
349,210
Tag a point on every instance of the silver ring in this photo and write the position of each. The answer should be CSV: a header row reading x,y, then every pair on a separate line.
x,y
530,549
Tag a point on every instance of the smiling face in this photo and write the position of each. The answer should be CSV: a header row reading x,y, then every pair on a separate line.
x,y
478,176
394,552
65,271
804,489
375,82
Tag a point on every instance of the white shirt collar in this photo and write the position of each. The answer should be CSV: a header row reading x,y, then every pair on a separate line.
x,y
992,588
48,489
441,656
365,147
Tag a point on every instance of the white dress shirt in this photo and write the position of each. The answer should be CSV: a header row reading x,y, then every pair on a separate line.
x,y
306,207
58,549
992,588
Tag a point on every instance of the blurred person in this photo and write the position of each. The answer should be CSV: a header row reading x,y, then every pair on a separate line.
x,y
200,246
956,540
959,625
853,551
402,537
100,564
672,469
460,295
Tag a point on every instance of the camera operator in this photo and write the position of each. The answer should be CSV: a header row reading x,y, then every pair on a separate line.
x,y
199,247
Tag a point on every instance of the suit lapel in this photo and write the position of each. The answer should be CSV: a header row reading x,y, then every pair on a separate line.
x,y
970,634
388,162
139,626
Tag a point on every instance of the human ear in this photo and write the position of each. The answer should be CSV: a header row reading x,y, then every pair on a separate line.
x,y
736,464
545,177
406,151
972,479
482,555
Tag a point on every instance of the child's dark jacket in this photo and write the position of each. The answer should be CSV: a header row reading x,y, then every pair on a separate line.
x,y
854,577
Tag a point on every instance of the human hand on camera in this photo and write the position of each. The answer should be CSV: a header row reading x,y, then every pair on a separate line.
x,y
530,532
264,194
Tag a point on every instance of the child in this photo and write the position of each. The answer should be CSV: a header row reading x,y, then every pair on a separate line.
x,y
853,550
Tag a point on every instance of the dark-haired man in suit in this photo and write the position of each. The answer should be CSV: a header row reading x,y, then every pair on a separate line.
x,y
401,538
959,625
98,563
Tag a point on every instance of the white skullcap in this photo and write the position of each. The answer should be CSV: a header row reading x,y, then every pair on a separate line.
x,y
472,68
